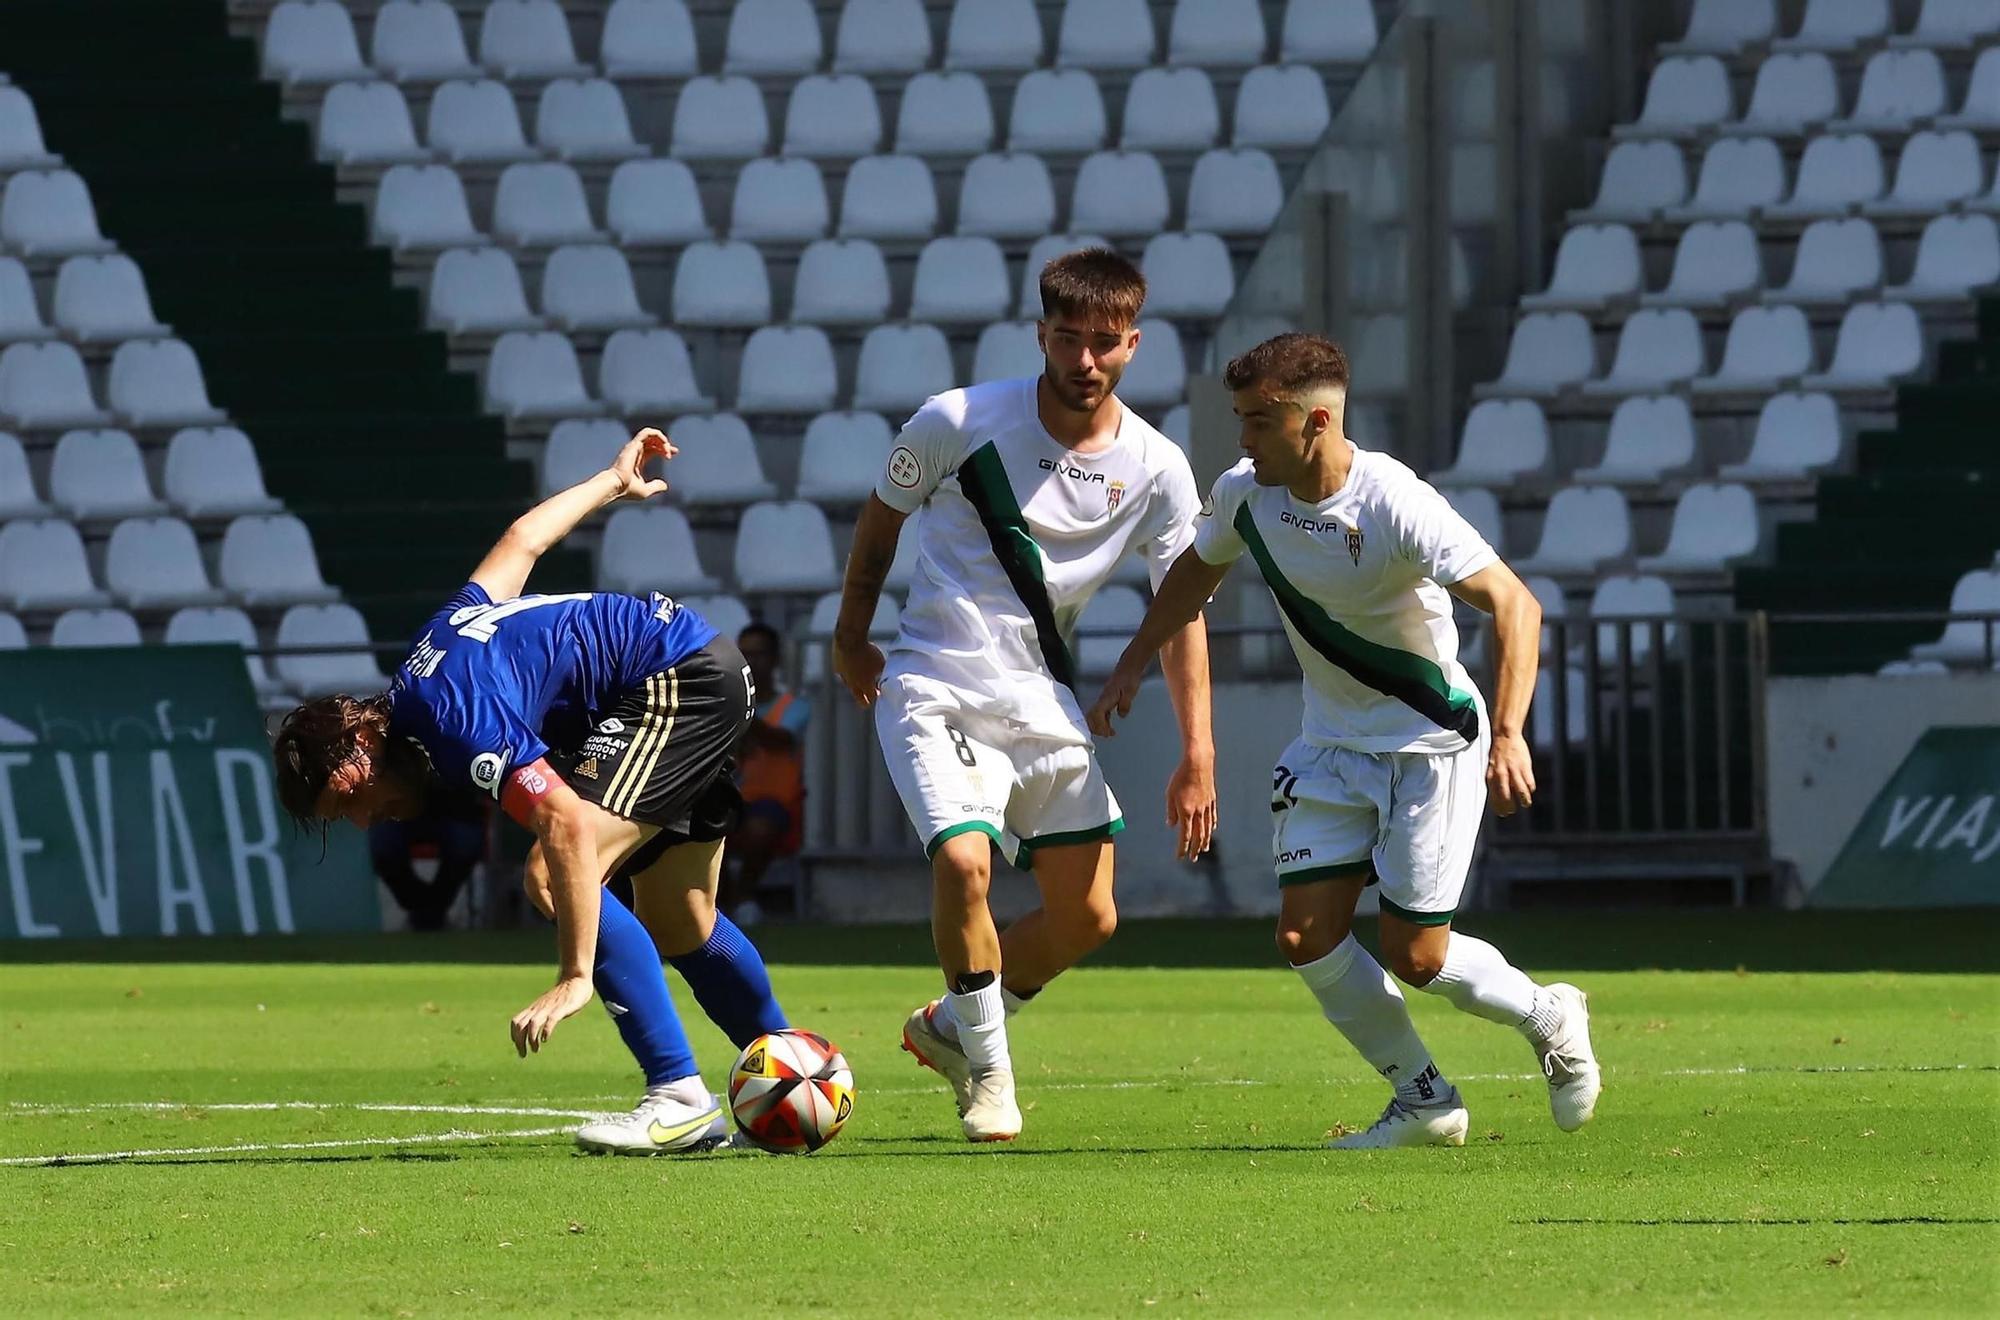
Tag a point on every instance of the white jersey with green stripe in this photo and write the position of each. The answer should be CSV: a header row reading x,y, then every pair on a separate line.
x,y
1017,534
1360,580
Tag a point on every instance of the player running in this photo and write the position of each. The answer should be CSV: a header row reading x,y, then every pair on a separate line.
x,y
1033,490
604,724
1384,781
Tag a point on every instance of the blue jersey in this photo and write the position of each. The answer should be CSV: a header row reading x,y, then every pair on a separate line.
x,y
491,687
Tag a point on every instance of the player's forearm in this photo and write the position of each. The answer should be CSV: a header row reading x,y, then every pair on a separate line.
x,y
1184,660
570,849
543,527
1517,634
868,564
1178,603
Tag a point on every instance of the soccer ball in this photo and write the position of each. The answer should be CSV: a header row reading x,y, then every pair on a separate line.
x,y
790,1091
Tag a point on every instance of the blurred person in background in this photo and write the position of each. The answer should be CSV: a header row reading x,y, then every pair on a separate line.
x,y
770,765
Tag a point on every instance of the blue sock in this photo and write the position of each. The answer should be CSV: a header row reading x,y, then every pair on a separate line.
x,y
634,991
729,982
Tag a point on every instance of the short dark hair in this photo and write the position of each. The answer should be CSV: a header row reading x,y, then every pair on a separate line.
x,y
1093,281
1291,364
318,738
762,629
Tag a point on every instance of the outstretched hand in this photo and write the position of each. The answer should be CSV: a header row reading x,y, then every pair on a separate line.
x,y
1119,691
630,467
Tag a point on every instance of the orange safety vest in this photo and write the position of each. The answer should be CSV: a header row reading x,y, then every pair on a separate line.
x,y
776,776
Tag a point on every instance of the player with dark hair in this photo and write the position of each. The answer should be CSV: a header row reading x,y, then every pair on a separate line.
x,y
604,724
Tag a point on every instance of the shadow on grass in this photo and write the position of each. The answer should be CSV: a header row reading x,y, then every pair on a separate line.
x,y
1750,1223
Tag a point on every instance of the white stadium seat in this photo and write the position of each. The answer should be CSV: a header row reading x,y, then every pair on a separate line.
x,y
95,628
20,314
1913,669
882,36
1713,524
649,39
1951,24
1595,265
649,373
655,202
1046,249
159,383
960,280
1835,260
423,208
1170,110
420,41
1381,354
721,284
1006,195
1178,426
590,288
1157,372
1766,348
900,366
1724,27
578,448
534,376
1981,107
1280,106
1837,172
585,119
787,369
720,119
779,200
21,144
1657,348
1640,179
42,567
842,456
13,637
1837,25
1549,352
475,123
1716,262
213,472
1935,171
888,197
825,615
477,291
1738,176
841,281
1481,508
1188,275
542,205
100,474
1585,526
1897,87
310,42
1057,110
1217,33
368,123
785,547
717,462
521,39
1686,95
1105,628
772,37
17,484
1965,640
1106,34
1956,255
48,213
1120,193
1792,93
832,118
1007,350
1879,343
154,563
728,615
224,625
101,300
1626,597
993,35
650,547
268,560
1650,436
1503,441
944,114
43,388
1234,192
1796,435
345,667
1328,32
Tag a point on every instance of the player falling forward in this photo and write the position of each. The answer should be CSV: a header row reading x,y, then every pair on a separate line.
x,y
604,724
1385,780
1033,490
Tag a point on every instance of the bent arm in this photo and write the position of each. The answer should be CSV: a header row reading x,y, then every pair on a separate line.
x,y
1184,660
1517,632
567,842
868,563
505,569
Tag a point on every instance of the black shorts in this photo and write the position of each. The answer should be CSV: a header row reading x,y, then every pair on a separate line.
x,y
664,753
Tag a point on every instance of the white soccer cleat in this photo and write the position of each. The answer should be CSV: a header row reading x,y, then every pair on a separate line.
x,y
659,1126
1570,1064
1407,1125
991,1114
940,1053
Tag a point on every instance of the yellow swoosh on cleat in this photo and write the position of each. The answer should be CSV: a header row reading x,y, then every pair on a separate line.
x,y
663,1135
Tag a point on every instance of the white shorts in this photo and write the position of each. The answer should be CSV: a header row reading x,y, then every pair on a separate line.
x,y
1410,817
958,770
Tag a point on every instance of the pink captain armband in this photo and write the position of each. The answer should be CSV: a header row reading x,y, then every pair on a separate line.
x,y
526,787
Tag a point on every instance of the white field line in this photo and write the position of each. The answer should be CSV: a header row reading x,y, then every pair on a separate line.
x,y
29,1109
253,1147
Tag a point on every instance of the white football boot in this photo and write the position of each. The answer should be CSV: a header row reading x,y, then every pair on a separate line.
x,y
991,1114
1407,1125
941,1054
660,1125
1569,1063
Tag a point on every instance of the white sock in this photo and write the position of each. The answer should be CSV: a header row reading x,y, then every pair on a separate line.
x,y
1477,979
1013,1002
945,1019
1364,1005
982,1027
685,1090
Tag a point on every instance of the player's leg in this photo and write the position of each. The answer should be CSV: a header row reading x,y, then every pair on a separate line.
x,y
1066,817
675,895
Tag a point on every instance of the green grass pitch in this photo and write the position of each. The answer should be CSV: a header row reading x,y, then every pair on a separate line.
x,y
1802,1114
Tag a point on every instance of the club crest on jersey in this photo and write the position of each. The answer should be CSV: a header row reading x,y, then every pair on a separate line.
x,y
1354,545
1112,494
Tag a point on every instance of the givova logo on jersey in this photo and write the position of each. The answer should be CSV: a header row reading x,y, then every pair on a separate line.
x,y
1329,526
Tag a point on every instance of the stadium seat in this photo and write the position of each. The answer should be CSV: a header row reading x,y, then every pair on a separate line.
x,y
842,456
1878,343
1480,508
900,366
1836,25
1836,173
649,373
590,288
1006,195
1956,255
1549,352
1046,249
1738,176
48,213
769,37
779,200
717,462
342,668
475,123
158,383
309,42
649,39
882,36
1234,192
1381,354
521,39
721,284
1658,348
1157,372
20,314
13,637
1650,436
1623,598
1796,435
1585,526
43,388
785,546
1935,171
1503,441
1170,110
213,472
655,202
535,375
95,628
423,208
17,484
268,560
820,624
1057,110
578,448
650,547
99,474
1913,669
944,114
542,205
841,281
1981,108
420,41
888,197
1713,524
1716,262
1280,106
154,563
1766,348
1595,265
102,300
1105,628
1835,260
832,118
1792,94
1217,33
1951,25
960,280
1963,641
1178,426
368,123
1725,27
787,369
1120,193
1898,88
1328,32
42,567
21,144
1106,34
1686,95
477,291
1008,350
224,625
1187,275
993,35
585,119
728,615
1640,180
720,119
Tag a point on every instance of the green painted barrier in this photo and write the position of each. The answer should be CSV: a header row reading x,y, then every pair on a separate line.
x,y
1931,838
